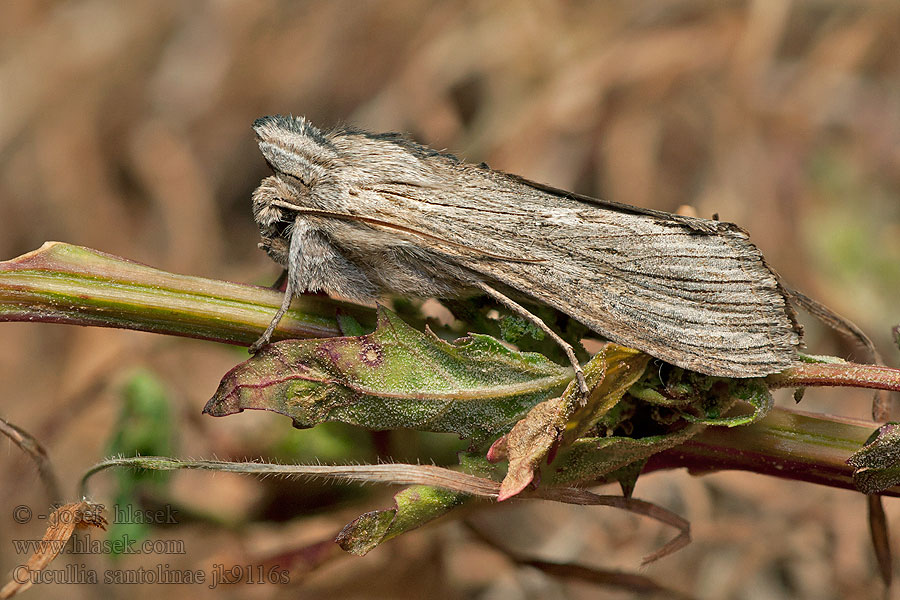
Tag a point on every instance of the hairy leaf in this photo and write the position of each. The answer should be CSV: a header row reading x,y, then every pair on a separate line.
x,y
394,377
593,458
413,507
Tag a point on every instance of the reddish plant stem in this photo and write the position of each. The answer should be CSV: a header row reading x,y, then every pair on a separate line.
x,y
789,444
875,377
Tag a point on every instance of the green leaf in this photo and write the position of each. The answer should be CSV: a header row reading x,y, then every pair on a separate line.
x,y
702,399
413,507
394,377
594,458
877,464
144,428
753,391
349,325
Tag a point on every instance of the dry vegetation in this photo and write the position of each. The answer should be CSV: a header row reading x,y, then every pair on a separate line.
x,y
125,126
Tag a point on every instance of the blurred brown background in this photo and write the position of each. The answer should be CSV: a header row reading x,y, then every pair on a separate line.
x,y
125,126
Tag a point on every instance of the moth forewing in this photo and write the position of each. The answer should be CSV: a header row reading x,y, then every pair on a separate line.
x,y
408,220
698,301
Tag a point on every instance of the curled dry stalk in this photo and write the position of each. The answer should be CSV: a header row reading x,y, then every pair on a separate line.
x,y
632,582
35,450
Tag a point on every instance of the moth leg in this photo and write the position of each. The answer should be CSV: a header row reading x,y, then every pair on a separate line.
x,y
282,280
523,312
285,305
290,289
314,264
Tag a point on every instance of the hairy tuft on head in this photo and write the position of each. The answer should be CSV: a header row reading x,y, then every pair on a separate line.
x,y
295,147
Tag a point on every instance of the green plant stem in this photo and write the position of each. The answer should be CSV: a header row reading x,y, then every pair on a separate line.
x,y
63,283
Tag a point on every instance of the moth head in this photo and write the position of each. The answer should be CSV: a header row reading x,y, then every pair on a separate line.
x,y
295,149
273,217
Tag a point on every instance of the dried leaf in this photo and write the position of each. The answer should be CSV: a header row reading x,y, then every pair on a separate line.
x,y
393,377
38,454
562,420
62,523
881,540
529,442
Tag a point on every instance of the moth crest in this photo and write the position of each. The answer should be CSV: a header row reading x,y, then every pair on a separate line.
x,y
295,147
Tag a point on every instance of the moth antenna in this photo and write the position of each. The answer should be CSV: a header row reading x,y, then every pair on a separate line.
x,y
403,228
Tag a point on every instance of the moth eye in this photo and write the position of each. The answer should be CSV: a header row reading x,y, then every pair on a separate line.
x,y
284,214
281,220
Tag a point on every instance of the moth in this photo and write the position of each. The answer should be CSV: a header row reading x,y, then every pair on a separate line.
x,y
364,215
